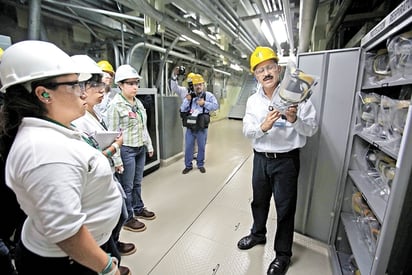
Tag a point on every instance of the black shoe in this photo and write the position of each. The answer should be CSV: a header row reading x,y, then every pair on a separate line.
x,y
186,170
126,248
124,270
202,169
145,214
249,241
278,266
134,225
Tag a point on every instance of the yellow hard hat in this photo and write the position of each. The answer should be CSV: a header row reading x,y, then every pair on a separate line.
x,y
197,79
106,66
261,54
189,77
1,53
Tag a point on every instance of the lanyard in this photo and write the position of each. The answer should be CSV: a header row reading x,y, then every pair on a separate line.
x,y
135,109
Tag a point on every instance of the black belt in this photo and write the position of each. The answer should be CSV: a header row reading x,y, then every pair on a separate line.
x,y
270,155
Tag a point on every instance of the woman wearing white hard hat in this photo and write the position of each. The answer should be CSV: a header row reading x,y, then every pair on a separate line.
x,y
127,114
93,125
62,183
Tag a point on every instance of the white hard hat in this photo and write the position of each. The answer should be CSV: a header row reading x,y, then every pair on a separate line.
x,y
125,72
87,66
31,60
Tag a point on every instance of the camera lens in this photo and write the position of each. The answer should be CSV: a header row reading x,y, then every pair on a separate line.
x,y
182,70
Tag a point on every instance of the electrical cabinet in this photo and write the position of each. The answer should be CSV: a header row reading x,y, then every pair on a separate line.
x,y
371,234
148,96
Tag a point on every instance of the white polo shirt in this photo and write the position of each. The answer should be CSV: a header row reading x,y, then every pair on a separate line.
x,y
61,183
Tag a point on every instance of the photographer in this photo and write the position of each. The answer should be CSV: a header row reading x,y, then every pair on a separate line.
x,y
181,91
197,108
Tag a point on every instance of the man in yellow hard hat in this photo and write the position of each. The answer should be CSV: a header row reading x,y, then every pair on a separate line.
x,y
181,91
195,111
110,91
276,140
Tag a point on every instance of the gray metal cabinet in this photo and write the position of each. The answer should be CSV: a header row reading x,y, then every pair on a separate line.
x,y
323,156
148,96
374,200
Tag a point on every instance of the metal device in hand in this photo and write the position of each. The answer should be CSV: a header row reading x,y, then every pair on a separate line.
x,y
295,88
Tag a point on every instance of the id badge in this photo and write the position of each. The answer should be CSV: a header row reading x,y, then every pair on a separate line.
x,y
280,123
132,115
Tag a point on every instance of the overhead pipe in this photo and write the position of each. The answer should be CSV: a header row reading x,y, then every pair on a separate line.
x,y
173,53
244,35
162,64
100,11
232,25
231,11
306,20
162,50
267,21
161,19
212,13
288,19
118,58
85,24
34,19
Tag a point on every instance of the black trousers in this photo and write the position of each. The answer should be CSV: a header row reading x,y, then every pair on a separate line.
x,y
28,263
277,177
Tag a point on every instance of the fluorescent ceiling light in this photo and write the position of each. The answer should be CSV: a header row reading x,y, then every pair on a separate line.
x,y
278,28
199,32
267,34
189,39
179,7
236,67
213,37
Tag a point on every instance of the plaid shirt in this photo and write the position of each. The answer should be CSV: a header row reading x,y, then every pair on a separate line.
x,y
131,120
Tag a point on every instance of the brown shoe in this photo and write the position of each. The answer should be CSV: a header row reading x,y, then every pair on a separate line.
x,y
145,214
126,248
134,225
124,270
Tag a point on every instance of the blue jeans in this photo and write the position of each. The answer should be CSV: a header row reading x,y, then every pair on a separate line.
x,y
134,159
277,177
200,137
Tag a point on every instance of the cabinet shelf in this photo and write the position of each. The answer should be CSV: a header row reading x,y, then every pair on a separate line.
x,y
387,83
387,150
359,249
376,202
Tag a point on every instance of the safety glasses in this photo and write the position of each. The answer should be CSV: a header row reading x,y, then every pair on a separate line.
x,y
73,86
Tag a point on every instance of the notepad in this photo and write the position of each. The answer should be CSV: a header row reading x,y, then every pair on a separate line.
x,y
105,139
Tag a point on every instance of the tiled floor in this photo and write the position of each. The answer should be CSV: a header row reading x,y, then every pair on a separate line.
x,y
200,218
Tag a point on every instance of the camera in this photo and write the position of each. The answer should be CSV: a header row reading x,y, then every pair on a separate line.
x,y
192,94
182,70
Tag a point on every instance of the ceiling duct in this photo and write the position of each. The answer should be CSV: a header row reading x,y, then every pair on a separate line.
x,y
306,20
161,18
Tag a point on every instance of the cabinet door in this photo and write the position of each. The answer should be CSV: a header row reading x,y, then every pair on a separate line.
x,y
323,156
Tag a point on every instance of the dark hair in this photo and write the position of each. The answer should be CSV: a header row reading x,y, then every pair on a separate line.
x,y
96,78
17,104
